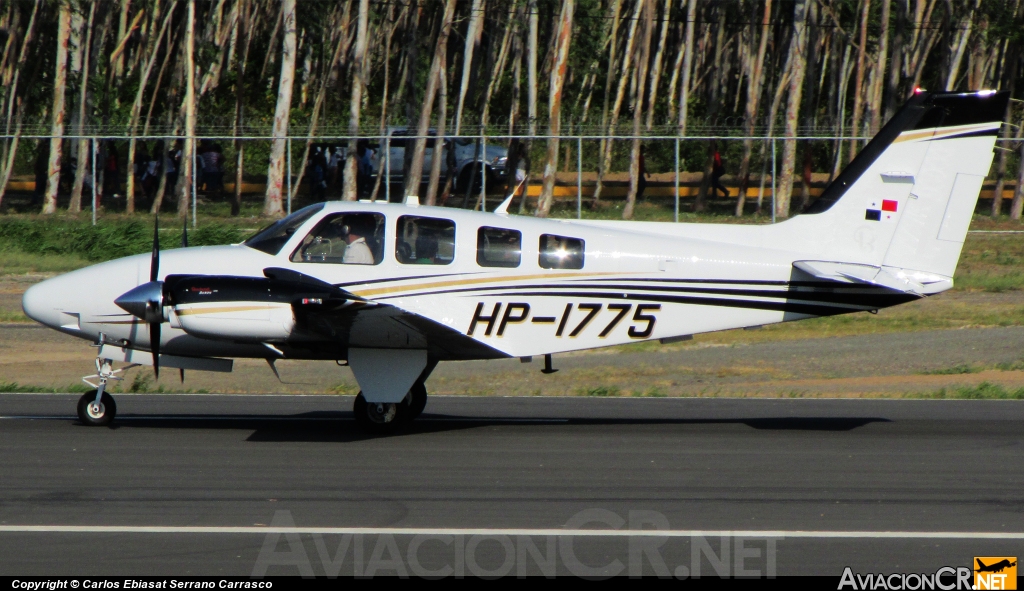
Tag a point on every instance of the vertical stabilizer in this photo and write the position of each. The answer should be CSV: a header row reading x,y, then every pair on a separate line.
x,y
904,204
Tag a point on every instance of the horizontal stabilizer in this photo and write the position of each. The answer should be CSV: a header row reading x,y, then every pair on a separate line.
x,y
912,282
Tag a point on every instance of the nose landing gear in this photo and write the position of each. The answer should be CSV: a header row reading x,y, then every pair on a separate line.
x,y
96,408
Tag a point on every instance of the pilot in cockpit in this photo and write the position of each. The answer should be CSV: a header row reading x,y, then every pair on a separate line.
x,y
357,252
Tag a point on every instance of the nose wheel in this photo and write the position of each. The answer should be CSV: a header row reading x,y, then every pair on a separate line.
x,y
96,409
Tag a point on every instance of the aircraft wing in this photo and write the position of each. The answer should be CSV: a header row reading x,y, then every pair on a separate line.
x,y
383,326
287,310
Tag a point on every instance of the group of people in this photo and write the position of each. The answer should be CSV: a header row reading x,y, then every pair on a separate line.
x,y
325,169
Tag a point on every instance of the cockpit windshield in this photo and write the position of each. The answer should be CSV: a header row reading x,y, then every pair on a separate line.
x,y
273,238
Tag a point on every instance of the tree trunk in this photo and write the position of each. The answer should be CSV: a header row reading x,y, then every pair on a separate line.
x,y
133,120
564,36
715,82
875,104
656,71
419,148
184,189
11,149
1017,205
350,191
641,75
57,127
684,88
384,163
438,151
961,47
273,203
613,47
858,90
754,84
531,67
796,79
75,205
476,17
605,161
122,29
243,61
997,197
499,71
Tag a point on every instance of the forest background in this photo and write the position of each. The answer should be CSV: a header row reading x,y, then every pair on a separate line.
x,y
626,73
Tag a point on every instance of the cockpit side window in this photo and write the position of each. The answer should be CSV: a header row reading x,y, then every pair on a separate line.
x,y
344,238
498,247
273,238
560,252
425,241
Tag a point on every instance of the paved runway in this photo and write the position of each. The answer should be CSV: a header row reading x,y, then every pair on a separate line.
x,y
519,468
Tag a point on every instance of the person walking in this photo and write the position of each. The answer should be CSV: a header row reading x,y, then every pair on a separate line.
x,y
112,172
641,184
717,171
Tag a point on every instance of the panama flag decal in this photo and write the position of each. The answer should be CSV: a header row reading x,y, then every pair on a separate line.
x,y
886,213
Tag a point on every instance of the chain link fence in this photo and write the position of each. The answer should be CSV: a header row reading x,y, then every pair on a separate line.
x,y
593,171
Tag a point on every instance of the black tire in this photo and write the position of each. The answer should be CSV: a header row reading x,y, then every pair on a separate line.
x,y
382,418
96,416
417,400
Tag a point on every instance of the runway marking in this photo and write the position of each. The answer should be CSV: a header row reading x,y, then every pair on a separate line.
x,y
608,533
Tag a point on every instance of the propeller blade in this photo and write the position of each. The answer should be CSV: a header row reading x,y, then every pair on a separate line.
x,y
154,264
184,233
154,345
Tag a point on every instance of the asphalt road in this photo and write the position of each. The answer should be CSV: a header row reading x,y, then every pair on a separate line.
x,y
816,485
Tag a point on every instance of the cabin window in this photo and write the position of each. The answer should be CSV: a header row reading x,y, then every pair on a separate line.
x,y
344,238
425,241
498,247
560,252
273,238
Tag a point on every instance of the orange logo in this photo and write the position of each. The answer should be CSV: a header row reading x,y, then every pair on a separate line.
x,y
995,572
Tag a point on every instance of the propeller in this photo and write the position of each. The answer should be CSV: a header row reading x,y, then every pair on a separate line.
x,y
147,300
155,308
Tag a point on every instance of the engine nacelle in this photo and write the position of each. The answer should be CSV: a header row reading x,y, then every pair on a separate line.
x,y
242,308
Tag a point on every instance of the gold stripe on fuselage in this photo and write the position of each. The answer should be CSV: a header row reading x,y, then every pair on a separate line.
x,y
479,281
223,309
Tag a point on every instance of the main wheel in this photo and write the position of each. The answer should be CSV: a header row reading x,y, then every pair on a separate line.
x,y
417,400
96,414
379,417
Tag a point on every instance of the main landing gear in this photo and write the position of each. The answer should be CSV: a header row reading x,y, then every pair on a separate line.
x,y
386,417
96,408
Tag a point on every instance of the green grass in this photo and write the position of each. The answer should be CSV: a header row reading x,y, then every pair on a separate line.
x,y
17,262
12,316
11,387
598,391
983,391
956,370
65,237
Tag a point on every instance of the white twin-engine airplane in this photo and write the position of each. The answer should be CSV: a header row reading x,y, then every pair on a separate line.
x,y
394,289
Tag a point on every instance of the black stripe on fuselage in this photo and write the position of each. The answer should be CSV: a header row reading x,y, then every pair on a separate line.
x,y
797,307
865,298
